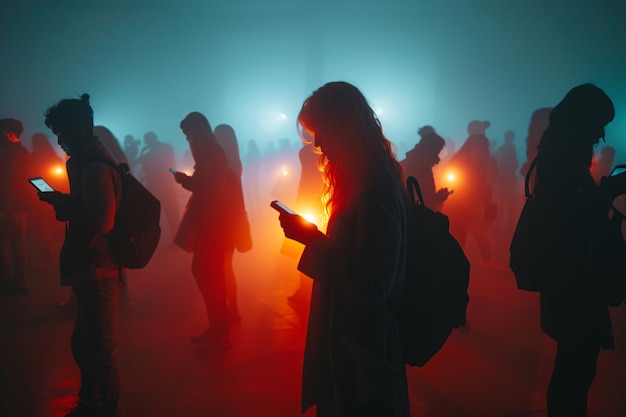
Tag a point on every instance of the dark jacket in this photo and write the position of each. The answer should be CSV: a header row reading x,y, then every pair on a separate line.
x,y
209,216
352,345
575,304
95,192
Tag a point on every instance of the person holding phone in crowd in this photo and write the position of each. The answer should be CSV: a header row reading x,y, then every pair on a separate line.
x,y
206,229
86,262
353,362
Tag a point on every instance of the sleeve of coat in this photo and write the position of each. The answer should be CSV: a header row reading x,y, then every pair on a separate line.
x,y
368,270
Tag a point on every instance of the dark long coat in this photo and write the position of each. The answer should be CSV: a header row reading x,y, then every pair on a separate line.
x,y
353,354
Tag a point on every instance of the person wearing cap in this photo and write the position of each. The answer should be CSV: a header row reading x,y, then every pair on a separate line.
x,y
14,161
419,163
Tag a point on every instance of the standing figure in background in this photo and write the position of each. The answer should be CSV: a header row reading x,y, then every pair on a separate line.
x,y
14,204
227,139
206,228
353,363
538,124
155,160
470,208
507,186
131,150
251,178
419,163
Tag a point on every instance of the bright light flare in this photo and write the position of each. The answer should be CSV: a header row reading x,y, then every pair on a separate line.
x,y
57,171
284,172
451,176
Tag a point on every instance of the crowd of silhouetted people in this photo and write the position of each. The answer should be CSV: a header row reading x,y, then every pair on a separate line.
x,y
344,179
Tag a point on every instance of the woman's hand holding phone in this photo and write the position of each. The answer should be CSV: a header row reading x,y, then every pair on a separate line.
x,y
295,226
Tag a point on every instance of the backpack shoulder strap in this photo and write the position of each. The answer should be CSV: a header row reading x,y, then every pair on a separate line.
x,y
414,190
531,168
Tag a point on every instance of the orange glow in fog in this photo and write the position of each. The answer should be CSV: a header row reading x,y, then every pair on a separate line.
x,y
57,171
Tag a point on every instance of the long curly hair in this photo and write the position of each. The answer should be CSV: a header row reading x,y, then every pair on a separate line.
x,y
339,111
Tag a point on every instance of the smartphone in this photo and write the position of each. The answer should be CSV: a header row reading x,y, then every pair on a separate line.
x,y
618,170
41,184
173,171
281,208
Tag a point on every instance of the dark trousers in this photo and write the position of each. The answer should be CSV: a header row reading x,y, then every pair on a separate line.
x,y
94,342
573,374
207,267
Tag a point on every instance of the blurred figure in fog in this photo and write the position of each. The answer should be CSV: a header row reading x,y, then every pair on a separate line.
x,y
419,163
284,165
44,232
538,124
206,228
251,177
154,162
603,165
227,139
111,144
353,363
131,150
507,189
471,207
15,198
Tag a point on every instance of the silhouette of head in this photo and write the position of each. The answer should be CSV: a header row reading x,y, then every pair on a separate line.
x,y
430,140
476,127
150,138
11,127
195,123
343,125
347,131
509,135
72,121
582,114
199,134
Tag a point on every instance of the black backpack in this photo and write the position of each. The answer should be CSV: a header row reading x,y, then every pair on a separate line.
x,y
434,299
136,232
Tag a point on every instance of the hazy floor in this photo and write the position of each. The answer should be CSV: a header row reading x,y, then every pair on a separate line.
x,y
498,367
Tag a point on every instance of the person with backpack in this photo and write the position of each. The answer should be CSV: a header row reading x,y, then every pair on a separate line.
x,y
353,364
86,260
574,300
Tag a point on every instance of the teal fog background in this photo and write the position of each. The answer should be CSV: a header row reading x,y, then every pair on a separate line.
x,y
251,63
